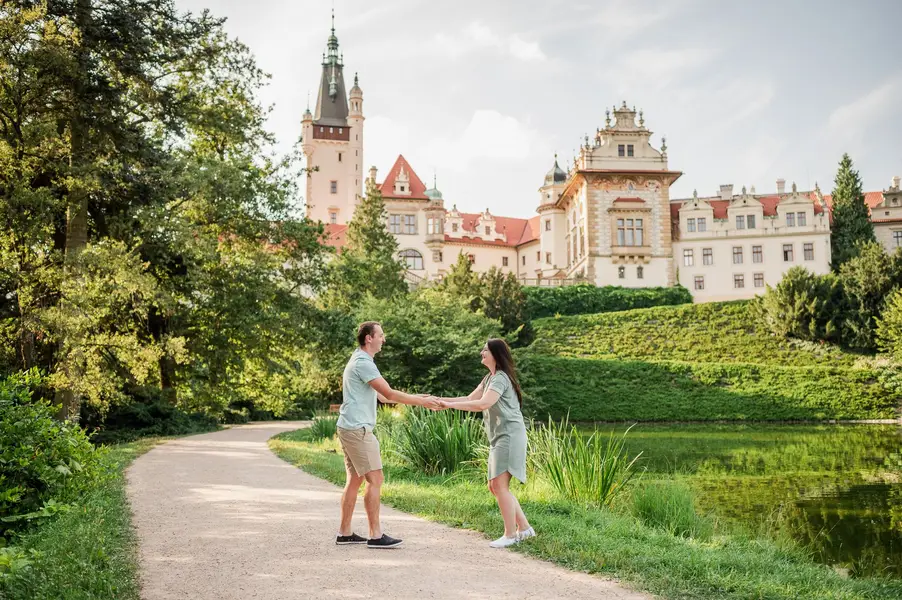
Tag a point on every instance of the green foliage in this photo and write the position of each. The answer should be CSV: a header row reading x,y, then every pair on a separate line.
x,y
367,265
496,295
721,332
867,281
803,305
324,426
618,390
432,342
889,326
434,443
851,226
143,417
589,470
44,464
671,507
588,299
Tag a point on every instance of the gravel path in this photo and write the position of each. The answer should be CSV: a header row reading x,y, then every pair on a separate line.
x,y
220,517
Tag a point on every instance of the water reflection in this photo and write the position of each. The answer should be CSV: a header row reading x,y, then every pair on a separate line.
x,y
837,489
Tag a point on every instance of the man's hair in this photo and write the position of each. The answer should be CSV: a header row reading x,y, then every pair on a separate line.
x,y
365,329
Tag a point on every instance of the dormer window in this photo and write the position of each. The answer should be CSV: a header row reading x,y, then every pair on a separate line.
x,y
402,188
454,227
488,230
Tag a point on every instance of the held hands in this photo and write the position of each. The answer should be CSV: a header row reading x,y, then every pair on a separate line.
x,y
434,402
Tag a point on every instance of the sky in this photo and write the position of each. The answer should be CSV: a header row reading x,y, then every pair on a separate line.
x,y
482,94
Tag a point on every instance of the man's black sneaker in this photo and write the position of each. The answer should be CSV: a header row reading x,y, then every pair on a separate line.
x,y
343,540
383,542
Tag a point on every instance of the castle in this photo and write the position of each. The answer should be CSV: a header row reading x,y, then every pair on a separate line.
x,y
609,220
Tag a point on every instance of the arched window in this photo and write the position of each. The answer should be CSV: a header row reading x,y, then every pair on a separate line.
x,y
413,259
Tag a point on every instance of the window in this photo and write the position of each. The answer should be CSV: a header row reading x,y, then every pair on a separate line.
x,y
394,223
640,272
737,255
707,256
808,249
750,221
800,219
790,219
538,257
547,224
524,261
434,226
690,225
333,217
471,258
333,187
441,257
757,254
759,280
787,252
621,150
688,258
629,232
629,150
897,239
738,281
699,282
740,221
701,224
548,258
410,224
413,259
621,272
403,188
488,230
454,227
339,157
503,261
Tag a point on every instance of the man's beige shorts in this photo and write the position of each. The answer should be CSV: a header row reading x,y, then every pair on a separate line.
x,y
361,450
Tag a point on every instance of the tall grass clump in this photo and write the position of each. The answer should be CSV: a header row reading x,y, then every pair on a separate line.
x,y
437,442
324,426
587,470
670,506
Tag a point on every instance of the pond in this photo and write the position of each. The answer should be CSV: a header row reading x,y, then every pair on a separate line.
x,y
837,489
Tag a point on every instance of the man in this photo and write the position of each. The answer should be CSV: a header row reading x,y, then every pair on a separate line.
x,y
361,383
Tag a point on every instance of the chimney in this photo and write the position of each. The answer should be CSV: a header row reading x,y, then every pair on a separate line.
x,y
896,183
726,192
781,186
373,174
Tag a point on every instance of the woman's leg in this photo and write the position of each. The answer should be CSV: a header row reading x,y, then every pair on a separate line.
x,y
522,523
500,487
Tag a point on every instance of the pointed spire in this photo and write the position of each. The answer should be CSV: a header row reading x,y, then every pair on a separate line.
x,y
663,144
355,78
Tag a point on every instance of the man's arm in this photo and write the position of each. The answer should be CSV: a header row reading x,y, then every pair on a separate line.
x,y
398,397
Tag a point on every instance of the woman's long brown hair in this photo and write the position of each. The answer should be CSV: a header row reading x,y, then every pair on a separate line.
x,y
504,361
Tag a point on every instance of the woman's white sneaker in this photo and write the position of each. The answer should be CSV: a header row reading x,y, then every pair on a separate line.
x,y
523,535
504,542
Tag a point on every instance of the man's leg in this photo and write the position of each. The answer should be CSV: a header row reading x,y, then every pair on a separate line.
x,y
349,498
371,500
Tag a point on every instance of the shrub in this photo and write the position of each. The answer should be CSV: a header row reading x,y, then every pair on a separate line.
x,y
324,426
803,305
436,442
590,471
867,281
148,415
889,326
670,506
586,298
44,463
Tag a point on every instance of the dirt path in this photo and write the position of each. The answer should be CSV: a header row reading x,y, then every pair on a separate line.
x,y
220,517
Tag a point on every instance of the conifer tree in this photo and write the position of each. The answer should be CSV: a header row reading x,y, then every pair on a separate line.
x,y
851,225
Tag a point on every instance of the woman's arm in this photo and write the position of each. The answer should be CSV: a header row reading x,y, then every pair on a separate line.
x,y
477,405
474,395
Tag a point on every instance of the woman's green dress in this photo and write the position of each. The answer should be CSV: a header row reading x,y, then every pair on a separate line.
x,y
505,428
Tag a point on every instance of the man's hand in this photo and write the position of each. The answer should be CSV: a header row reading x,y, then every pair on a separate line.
x,y
433,403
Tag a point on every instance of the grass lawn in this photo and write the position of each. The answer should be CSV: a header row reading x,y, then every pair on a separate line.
x,y
88,553
607,542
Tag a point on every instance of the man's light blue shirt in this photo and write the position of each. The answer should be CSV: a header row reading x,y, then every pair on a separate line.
x,y
358,406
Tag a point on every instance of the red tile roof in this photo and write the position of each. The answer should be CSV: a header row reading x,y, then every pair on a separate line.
x,y
769,204
417,187
872,199
517,231
335,235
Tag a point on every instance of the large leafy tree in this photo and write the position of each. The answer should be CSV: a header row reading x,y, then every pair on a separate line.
x,y
148,239
851,225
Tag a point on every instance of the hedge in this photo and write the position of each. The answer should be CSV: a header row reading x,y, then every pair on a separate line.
x,y
587,298
631,390
722,332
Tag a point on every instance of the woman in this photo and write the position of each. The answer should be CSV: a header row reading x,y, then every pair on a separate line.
x,y
500,399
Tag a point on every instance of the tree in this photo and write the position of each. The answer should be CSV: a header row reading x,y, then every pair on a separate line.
x,y
851,225
803,305
368,263
502,298
867,281
462,282
889,326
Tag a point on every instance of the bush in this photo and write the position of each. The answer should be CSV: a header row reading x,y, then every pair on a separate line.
x,y
670,506
324,426
44,463
889,326
147,416
435,442
803,305
867,282
619,390
587,299
589,471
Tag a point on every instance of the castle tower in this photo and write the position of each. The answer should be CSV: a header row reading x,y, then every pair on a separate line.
x,y
332,142
552,224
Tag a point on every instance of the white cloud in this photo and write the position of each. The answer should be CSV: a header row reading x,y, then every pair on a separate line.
x,y
850,120
478,36
656,69
383,140
489,135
